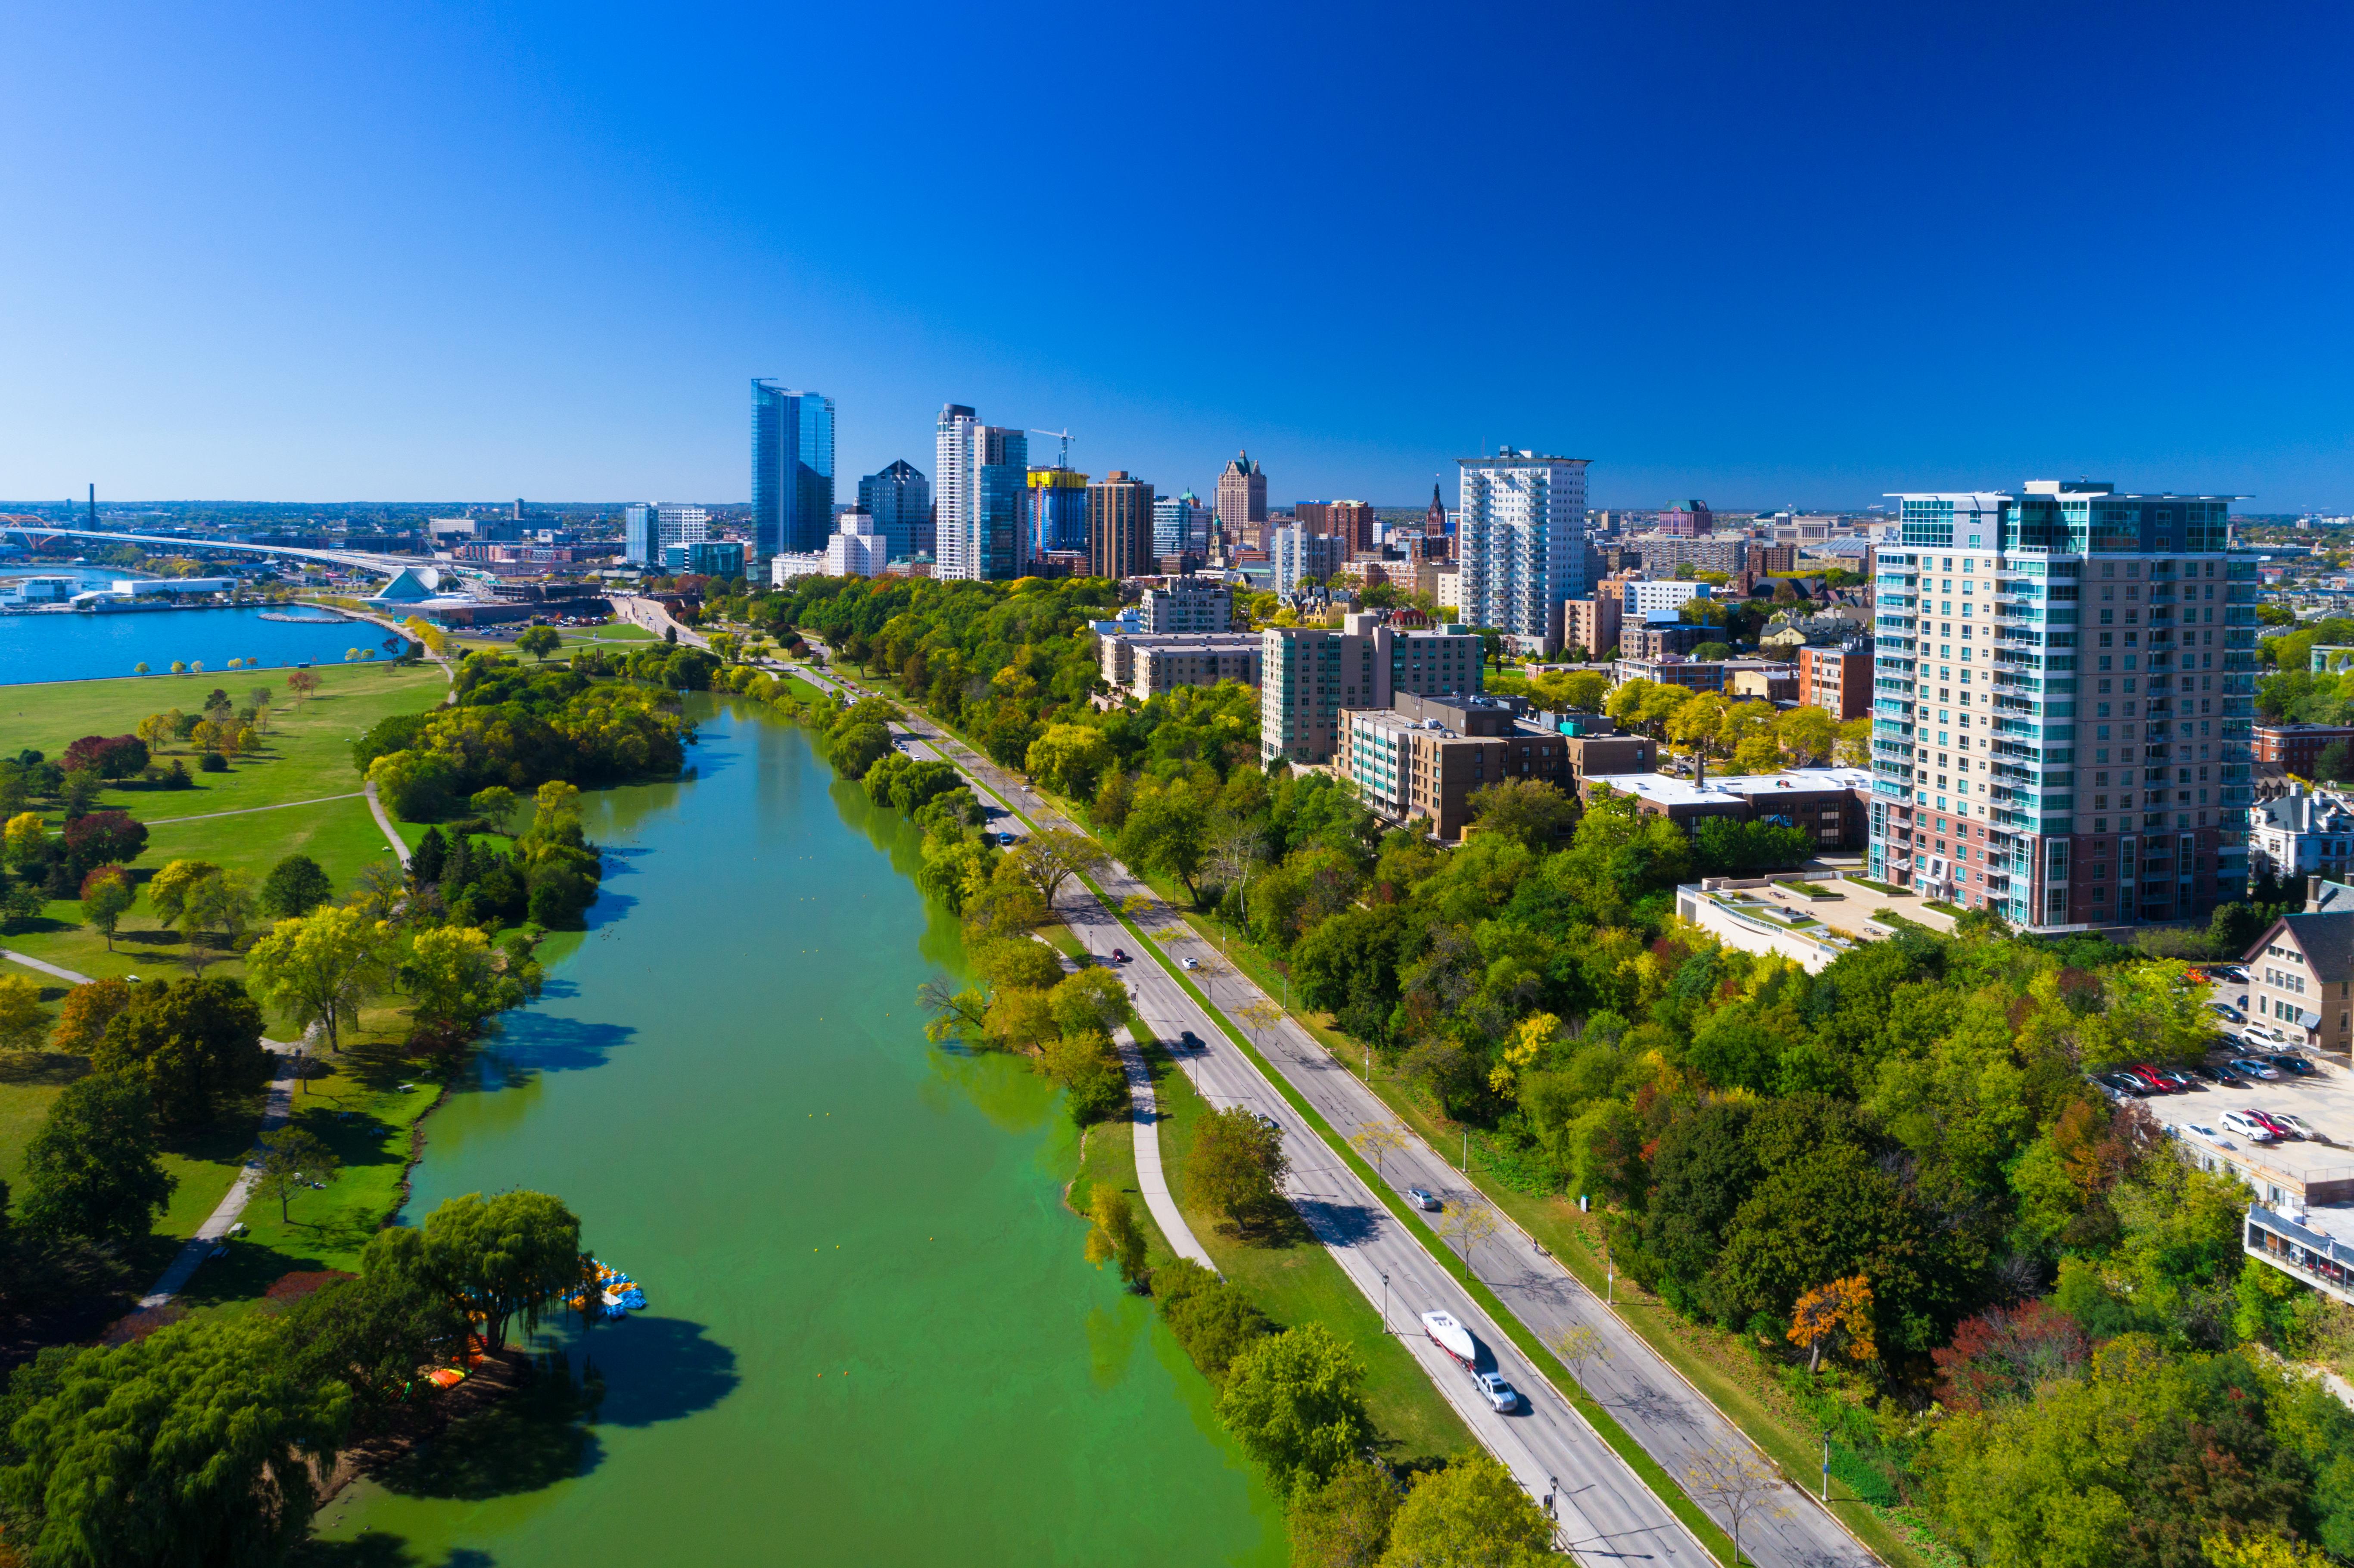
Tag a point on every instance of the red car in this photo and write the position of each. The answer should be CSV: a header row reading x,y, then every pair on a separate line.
x,y
2150,1076
2280,1128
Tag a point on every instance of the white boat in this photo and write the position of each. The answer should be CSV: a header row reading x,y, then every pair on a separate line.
x,y
1451,1337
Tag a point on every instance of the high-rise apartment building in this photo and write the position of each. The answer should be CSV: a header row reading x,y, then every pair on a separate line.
x,y
1353,520
1058,509
1242,497
792,469
1308,674
1299,556
1120,526
899,499
647,530
1521,540
2062,698
980,498
1181,526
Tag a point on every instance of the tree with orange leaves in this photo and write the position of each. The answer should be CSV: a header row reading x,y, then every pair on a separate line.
x,y
1843,1307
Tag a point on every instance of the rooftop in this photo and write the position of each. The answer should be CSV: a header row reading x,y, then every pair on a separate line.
x,y
1668,791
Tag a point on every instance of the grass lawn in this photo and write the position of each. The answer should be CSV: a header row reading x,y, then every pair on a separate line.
x,y
1881,887
1293,1279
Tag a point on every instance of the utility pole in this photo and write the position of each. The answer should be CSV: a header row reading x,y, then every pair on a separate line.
x,y
1827,1465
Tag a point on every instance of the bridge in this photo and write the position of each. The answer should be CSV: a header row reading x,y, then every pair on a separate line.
x,y
39,536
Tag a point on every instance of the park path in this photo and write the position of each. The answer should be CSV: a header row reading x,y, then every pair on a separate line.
x,y
248,811
274,1113
1151,1179
399,845
32,963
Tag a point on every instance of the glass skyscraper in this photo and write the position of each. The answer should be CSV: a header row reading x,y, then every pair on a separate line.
x,y
792,470
899,499
2062,695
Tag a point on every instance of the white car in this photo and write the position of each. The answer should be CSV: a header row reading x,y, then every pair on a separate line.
x,y
1193,963
1421,1200
2295,1124
2265,1032
1500,1395
2248,1127
2207,1135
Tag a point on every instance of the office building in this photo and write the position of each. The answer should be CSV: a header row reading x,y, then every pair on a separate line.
x,y
1837,680
980,498
647,530
1141,664
1120,526
1058,509
2064,680
1181,526
899,499
792,469
1687,520
1422,759
1352,522
1521,541
1299,556
1242,501
1650,598
704,558
1187,605
1308,674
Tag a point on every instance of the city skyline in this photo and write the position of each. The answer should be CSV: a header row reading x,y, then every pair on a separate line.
x,y
426,252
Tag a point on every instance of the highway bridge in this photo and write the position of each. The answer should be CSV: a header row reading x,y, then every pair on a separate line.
x,y
36,536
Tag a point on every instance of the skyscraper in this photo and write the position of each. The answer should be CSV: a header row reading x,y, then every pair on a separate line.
x,y
2064,687
792,469
981,498
1242,496
1120,526
899,499
1058,509
1353,520
1181,526
647,530
1522,537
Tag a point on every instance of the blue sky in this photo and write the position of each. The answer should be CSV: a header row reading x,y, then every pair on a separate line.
x,y
1756,254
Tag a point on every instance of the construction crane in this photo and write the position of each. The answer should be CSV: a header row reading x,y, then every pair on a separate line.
x,y
1065,460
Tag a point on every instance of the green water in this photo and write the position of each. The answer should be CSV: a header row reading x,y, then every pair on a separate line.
x,y
873,1337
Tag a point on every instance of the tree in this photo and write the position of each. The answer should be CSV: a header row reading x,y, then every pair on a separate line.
x,y
83,1016
1473,1223
292,1159
1528,810
105,900
1471,1514
1807,735
455,983
1577,1345
539,642
1117,1237
1168,831
169,890
197,1043
1841,1309
1237,1164
26,838
189,1446
319,968
505,1257
1736,1485
302,683
1853,748
2336,763
222,902
94,1173
296,885
1345,1522
373,1332
1378,1141
1069,758
495,805
1093,1001
22,1021
2261,1551
1295,1401
1051,857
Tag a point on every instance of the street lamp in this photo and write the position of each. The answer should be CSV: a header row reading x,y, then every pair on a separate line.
x,y
1386,1302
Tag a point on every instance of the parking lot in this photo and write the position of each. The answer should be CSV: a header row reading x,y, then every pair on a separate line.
x,y
2316,1170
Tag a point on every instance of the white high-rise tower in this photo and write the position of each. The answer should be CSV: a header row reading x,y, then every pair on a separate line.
x,y
1523,536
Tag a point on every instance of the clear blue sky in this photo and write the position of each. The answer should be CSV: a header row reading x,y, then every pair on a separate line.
x,y
1756,254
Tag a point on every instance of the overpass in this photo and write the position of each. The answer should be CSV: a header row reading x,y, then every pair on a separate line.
x,y
37,537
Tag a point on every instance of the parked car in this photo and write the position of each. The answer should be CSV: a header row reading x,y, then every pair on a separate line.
x,y
2255,1069
2211,1074
2177,1080
2280,1128
2230,972
2124,1084
2207,1135
2227,1012
2151,1078
1500,1395
2288,1064
2231,1073
2248,1128
1421,1200
2265,1032
2290,1124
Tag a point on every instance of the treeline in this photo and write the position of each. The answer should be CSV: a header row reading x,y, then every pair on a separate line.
x,y
205,1441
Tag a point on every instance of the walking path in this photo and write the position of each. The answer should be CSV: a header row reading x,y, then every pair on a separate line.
x,y
208,1235
46,969
399,845
247,811
1144,1108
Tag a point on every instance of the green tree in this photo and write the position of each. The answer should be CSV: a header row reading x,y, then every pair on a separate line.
x,y
503,1258
1093,1001
94,1170
1090,1070
1345,1522
495,805
292,1159
1048,859
539,642
187,1446
1527,810
296,885
222,902
372,1333
1237,1164
104,902
1471,1514
1169,830
319,968
1069,758
1806,735
456,983
197,1043
1117,1237
23,1021
170,890
1295,1401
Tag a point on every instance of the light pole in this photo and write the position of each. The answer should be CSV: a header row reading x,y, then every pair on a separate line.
x,y
1610,1279
1386,1302
1827,1464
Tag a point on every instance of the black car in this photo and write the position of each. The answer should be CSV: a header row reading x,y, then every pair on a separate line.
x,y
2287,1064
2124,1084
2201,1070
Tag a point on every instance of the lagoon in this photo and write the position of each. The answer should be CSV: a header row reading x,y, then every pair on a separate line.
x,y
69,646
872,1337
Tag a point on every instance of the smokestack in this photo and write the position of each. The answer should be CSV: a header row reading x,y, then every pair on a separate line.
x,y
93,503
2313,895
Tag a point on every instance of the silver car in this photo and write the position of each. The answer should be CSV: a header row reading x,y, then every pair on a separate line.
x,y
1500,1395
1421,1200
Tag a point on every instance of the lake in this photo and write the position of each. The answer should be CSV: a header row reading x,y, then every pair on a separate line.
x,y
75,647
873,1337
